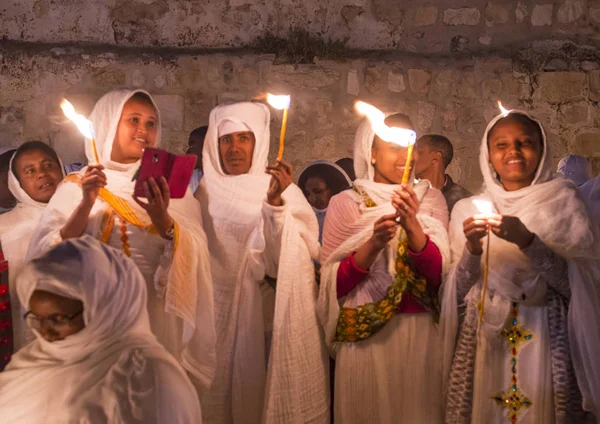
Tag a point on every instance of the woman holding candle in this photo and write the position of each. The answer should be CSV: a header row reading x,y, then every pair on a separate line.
x,y
34,174
539,339
163,236
384,245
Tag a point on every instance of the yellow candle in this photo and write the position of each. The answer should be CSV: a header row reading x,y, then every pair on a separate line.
x,y
407,168
84,125
282,134
485,279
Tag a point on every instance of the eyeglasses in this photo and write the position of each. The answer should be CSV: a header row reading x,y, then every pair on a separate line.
x,y
54,321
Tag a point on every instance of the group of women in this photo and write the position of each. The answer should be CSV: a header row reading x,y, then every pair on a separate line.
x,y
208,309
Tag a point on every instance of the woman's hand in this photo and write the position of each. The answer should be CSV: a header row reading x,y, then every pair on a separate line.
x,y
93,179
511,229
407,206
384,230
158,204
281,178
475,229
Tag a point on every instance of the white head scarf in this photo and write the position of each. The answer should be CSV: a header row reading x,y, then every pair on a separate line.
x,y
105,120
551,208
85,375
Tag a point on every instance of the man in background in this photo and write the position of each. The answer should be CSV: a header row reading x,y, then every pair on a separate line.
x,y
195,146
433,154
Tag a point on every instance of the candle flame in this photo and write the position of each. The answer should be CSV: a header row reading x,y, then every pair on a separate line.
x,y
483,206
502,110
84,125
402,136
278,102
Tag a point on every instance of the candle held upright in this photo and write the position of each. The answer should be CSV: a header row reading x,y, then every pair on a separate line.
x,y
83,124
280,103
486,208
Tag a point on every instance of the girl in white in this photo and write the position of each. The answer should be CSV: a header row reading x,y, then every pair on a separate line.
x,y
536,351
163,236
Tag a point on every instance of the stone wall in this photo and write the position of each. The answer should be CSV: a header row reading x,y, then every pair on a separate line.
x,y
444,65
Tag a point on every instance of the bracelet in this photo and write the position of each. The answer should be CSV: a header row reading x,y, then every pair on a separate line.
x,y
170,233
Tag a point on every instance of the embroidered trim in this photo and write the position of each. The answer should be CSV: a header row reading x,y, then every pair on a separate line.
x,y
513,399
355,324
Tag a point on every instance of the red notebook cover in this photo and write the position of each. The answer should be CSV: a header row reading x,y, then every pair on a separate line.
x,y
177,169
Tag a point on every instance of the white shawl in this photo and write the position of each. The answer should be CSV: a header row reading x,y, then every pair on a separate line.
x,y
553,209
183,274
249,238
16,229
114,370
373,288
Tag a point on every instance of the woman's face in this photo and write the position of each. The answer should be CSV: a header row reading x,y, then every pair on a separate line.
x,y
317,193
135,132
38,173
389,161
515,153
55,317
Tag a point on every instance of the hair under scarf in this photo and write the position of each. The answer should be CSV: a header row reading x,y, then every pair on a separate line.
x,y
553,209
47,381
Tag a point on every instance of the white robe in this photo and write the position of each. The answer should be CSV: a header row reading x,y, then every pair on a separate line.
x,y
112,371
395,375
249,239
178,279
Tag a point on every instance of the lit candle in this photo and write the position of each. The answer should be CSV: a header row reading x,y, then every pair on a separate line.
x,y
485,208
401,136
280,103
503,111
83,124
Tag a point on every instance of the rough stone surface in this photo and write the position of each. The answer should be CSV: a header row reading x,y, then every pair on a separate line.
x,y
425,16
418,80
542,14
587,144
396,82
521,13
496,13
171,111
570,11
352,84
464,16
373,80
562,86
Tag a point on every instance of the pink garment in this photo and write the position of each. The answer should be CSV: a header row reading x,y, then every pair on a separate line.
x,y
428,263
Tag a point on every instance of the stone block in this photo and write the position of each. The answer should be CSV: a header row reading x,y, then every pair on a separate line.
x,y
396,82
425,16
137,78
419,81
542,14
425,115
496,13
323,146
587,144
171,111
491,88
570,11
561,86
373,79
352,84
574,113
444,82
521,13
594,86
464,16
324,107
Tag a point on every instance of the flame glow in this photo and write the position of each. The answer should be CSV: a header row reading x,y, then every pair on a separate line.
x,y
278,102
401,136
483,206
84,125
503,111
